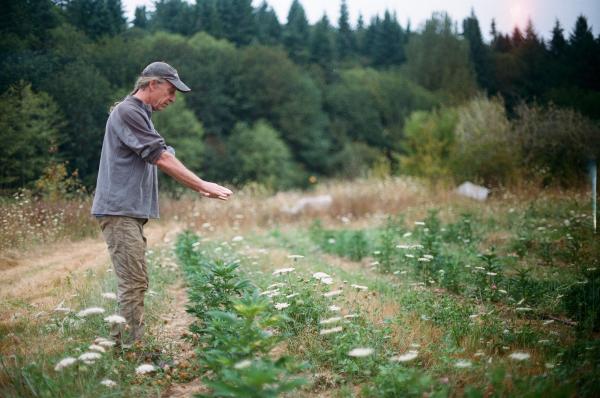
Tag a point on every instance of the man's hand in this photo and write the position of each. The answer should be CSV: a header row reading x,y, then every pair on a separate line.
x,y
215,191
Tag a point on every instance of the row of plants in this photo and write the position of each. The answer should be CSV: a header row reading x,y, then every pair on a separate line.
x,y
541,270
237,329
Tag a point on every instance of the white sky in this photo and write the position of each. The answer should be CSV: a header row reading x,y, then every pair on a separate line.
x,y
507,13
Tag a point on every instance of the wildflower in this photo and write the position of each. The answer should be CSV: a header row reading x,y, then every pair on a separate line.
x,y
329,331
334,308
278,284
295,256
292,295
502,291
115,319
480,268
408,356
90,311
145,368
423,259
523,309
462,364
519,356
243,364
68,361
331,241
360,287
320,275
374,263
491,273
549,365
548,322
282,271
544,341
237,238
429,256
109,296
332,293
419,223
97,348
108,383
473,316
281,306
89,357
415,345
330,320
409,255
360,352
407,234
351,316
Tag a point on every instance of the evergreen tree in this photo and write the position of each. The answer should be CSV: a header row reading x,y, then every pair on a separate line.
x,y
345,40
360,34
268,26
237,20
388,48
516,37
532,55
116,21
90,16
478,51
584,55
209,20
176,16
140,19
296,33
370,36
321,46
558,44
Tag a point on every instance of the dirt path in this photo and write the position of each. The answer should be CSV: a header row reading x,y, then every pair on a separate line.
x,y
32,276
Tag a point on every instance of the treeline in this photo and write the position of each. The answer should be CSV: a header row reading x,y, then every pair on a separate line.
x,y
278,102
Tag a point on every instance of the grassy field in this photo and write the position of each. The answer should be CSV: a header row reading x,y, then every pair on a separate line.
x,y
394,290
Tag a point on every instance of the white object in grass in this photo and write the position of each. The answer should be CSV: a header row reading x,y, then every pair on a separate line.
x,y
90,311
97,348
108,383
282,271
462,364
330,320
519,356
332,330
109,296
65,362
332,293
408,356
281,306
360,287
144,369
243,364
360,352
115,319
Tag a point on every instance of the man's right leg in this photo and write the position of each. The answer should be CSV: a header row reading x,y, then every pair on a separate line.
x,y
127,246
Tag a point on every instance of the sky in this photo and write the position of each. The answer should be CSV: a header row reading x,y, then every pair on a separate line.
x,y
507,13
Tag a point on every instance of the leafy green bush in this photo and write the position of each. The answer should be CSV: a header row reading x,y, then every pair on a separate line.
x,y
582,301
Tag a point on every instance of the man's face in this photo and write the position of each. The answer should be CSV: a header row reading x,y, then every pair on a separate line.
x,y
161,95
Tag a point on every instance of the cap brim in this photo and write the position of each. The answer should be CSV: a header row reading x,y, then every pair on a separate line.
x,y
179,85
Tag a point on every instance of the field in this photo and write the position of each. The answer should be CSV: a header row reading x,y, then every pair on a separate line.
x,y
396,289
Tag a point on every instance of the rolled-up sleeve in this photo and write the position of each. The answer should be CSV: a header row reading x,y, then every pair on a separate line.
x,y
141,138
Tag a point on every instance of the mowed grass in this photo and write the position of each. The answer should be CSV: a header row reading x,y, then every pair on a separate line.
x,y
450,299
34,340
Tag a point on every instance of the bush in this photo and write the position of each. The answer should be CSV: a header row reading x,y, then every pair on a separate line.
x,y
484,149
556,143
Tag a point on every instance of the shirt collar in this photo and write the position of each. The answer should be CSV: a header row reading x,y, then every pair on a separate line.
x,y
141,104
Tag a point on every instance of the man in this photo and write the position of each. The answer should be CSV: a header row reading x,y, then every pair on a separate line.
x,y
127,188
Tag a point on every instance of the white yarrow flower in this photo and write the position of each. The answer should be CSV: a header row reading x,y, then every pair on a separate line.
x,y
419,223
97,348
115,319
109,296
282,271
330,320
360,352
145,368
243,364
408,356
90,357
90,311
329,331
351,316
237,239
68,361
295,256
334,308
360,287
519,356
281,306
108,383
332,293
462,364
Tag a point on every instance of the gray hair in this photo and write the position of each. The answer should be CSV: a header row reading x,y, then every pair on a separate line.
x,y
141,83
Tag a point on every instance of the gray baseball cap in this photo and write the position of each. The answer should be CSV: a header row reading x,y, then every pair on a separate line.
x,y
167,72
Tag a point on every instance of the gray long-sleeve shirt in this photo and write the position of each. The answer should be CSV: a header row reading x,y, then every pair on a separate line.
x,y
127,178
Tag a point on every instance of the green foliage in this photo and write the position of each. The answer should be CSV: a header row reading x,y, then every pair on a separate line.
x,y
556,143
439,61
484,150
396,380
345,243
29,127
582,301
258,154
429,144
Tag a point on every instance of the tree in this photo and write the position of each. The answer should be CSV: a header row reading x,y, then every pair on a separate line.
x,y
29,126
96,17
260,155
388,44
176,16
345,40
140,19
321,45
296,33
584,56
269,29
439,60
237,18
478,51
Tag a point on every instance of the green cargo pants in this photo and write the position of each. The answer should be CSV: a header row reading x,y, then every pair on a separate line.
x,y
127,247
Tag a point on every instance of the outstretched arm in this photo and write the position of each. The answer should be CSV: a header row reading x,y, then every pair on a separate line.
x,y
168,163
